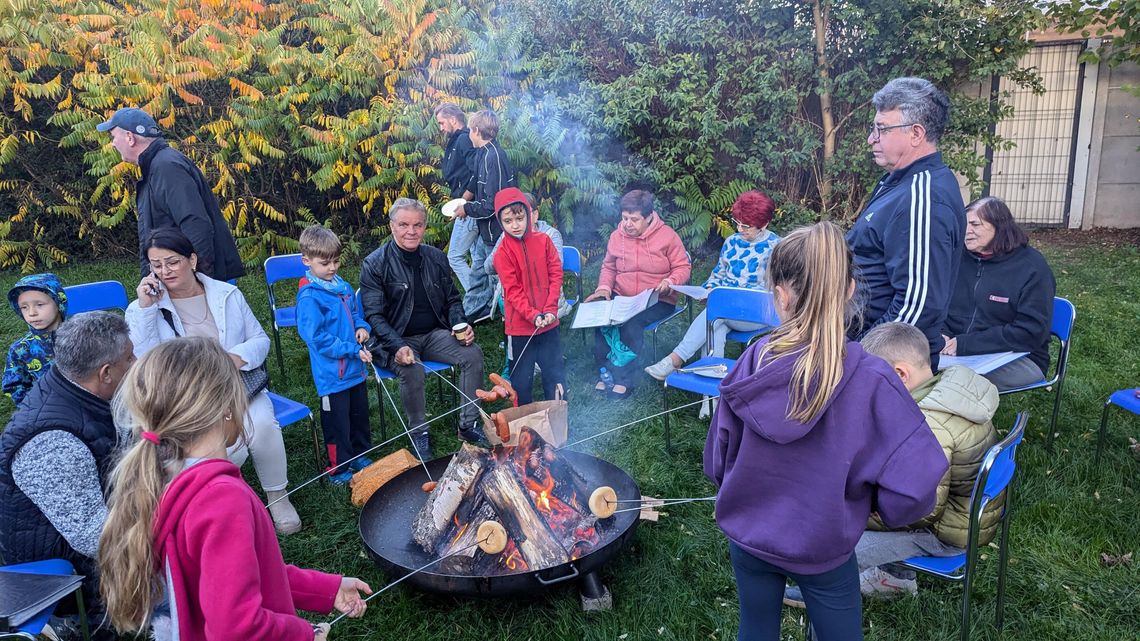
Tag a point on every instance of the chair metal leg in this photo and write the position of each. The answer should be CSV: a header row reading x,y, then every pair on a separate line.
x,y
439,390
316,444
668,440
84,629
277,343
1053,422
1101,433
1003,559
655,345
967,583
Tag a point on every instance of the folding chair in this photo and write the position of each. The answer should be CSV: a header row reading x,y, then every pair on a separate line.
x,y
1064,315
32,627
1124,399
994,476
279,268
656,325
287,411
90,297
732,303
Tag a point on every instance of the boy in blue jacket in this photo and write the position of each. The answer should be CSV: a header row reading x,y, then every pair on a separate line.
x,y
330,323
40,300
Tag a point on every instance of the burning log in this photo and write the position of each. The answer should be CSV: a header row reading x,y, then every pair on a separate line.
x,y
435,518
525,526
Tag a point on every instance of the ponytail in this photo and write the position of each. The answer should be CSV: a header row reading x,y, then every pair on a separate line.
x,y
814,264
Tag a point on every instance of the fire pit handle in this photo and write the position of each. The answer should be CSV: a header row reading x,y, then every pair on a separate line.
x,y
573,575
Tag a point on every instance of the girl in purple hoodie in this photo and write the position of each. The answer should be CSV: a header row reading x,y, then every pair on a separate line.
x,y
810,436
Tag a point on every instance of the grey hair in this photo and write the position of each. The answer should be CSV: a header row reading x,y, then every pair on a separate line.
x,y
919,101
451,110
406,203
898,342
85,342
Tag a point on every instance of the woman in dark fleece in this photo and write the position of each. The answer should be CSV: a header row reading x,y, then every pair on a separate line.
x,y
811,432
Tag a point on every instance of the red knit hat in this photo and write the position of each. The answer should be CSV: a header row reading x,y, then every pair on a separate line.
x,y
751,208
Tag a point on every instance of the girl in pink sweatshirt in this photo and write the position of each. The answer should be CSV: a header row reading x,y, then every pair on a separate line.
x,y
188,547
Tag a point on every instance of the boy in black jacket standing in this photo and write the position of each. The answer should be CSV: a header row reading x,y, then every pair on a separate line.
x,y
493,173
907,241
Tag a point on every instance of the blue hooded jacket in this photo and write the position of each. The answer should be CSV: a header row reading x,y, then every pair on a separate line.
x,y
327,320
31,356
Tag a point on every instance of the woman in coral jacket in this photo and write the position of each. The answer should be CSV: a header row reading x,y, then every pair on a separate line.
x,y
642,253
188,549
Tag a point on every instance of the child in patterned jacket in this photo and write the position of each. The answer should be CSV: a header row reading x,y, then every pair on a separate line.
x,y
40,300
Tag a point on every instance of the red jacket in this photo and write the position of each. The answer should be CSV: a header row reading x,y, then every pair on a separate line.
x,y
635,264
531,272
229,579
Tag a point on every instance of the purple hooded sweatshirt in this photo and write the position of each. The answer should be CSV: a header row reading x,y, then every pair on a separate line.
x,y
798,495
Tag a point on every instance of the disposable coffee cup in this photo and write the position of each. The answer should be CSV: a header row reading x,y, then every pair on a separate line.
x,y
458,330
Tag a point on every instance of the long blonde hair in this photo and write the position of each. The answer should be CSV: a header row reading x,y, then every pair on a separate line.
x,y
182,391
814,265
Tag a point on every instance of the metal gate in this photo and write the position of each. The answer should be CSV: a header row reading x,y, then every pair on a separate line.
x,y
1035,178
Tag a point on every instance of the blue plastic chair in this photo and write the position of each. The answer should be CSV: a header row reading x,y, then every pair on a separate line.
x,y
1124,399
287,411
1064,315
572,264
29,629
994,476
731,303
277,269
656,325
90,297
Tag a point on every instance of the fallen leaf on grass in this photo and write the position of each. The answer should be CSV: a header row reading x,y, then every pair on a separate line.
x,y
1134,448
1111,560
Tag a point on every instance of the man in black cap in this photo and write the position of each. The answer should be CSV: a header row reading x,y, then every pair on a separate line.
x,y
173,193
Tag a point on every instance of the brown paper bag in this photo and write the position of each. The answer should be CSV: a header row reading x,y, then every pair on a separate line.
x,y
548,418
368,480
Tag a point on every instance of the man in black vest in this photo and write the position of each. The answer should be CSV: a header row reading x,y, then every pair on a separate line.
x,y
57,452
173,193
459,173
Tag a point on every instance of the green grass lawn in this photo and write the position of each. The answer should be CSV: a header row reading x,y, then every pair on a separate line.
x,y
675,582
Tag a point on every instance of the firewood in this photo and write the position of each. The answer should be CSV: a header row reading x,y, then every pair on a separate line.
x,y
524,524
435,518
365,482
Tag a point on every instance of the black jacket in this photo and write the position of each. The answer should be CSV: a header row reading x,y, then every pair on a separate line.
x,y
459,163
387,297
906,244
1003,304
493,173
174,193
54,403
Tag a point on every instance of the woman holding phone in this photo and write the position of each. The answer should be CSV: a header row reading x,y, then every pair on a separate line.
x,y
174,300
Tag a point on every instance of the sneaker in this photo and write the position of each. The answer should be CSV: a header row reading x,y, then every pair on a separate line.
x,y
661,368
422,448
473,434
793,597
878,583
340,478
707,408
360,464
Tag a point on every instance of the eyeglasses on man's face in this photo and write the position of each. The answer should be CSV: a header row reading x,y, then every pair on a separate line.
x,y
875,131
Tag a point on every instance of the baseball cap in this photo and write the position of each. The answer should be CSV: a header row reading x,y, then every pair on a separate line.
x,y
131,119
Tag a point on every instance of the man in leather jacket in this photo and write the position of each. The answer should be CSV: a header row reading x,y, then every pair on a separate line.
x,y
412,305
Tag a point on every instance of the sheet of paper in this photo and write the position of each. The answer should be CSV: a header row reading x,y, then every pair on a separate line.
x,y
980,363
626,307
593,314
692,291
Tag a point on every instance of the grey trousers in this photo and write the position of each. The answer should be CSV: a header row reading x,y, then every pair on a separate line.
x,y
1016,374
881,548
440,346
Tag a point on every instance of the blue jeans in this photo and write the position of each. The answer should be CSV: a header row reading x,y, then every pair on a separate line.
x,y
833,600
481,287
464,233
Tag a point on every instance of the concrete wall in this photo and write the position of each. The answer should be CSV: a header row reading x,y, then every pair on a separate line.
x,y
1112,194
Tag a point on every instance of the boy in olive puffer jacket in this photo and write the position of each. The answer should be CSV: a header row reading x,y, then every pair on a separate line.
x,y
959,405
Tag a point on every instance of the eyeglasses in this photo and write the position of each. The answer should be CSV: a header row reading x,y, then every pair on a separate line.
x,y
875,131
170,263
741,226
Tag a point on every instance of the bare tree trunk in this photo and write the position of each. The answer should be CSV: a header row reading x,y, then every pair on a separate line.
x,y
820,13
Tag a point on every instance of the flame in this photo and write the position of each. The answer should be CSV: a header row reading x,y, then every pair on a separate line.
x,y
462,529
541,492
511,559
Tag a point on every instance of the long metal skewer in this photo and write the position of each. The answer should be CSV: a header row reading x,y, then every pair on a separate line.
x,y
665,503
646,418
417,570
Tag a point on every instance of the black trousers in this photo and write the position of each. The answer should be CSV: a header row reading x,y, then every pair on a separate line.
x,y
544,349
344,422
633,335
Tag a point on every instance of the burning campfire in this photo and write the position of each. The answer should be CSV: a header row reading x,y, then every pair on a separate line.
x,y
538,499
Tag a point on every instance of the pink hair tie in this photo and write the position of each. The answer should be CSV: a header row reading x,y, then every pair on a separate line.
x,y
150,436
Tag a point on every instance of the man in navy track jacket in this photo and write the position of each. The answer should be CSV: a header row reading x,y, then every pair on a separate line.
x,y
908,239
